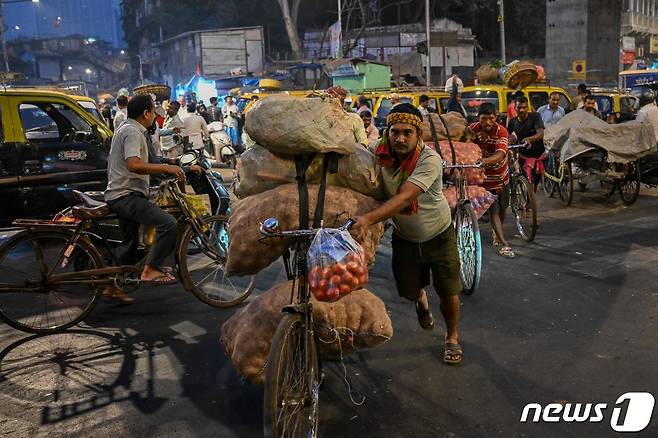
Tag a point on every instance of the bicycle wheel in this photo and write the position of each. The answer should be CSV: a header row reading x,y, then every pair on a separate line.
x,y
547,184
629,186
565,189
28,301
292,382
469,247
201,263
524,208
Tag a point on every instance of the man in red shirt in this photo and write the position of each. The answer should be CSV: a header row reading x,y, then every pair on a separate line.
x,y
492,139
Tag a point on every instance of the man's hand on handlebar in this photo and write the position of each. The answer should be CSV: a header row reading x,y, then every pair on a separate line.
x,y
196,169
176,171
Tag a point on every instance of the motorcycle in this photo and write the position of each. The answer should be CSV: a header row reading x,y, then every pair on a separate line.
x,y
221,144
210,182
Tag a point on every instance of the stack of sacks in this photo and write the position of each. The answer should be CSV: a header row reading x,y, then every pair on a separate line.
x,y
248,256
358,320
466,153
455,122
283,127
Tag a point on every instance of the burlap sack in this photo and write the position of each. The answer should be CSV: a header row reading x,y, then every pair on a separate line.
x,y
486,74
455,122
260,170
248,256
359,320
466,153
293,125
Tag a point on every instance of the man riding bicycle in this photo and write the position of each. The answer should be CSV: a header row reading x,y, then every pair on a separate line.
x,y
127,195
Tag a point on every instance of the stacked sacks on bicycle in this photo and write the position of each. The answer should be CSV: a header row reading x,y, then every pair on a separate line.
x,y
282,127
359,320
466,153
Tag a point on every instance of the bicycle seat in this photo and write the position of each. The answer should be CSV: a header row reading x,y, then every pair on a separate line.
x,y
87,200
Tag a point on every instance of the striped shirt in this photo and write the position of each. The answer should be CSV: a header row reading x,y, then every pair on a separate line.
x,y
496,176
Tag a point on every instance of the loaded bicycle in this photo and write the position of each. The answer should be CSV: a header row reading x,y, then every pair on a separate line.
x,y
465,222
52,274
523,202
294,372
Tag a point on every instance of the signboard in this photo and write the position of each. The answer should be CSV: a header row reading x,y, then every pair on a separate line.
x,y
630,80
335,39
579,69
627,58
347,69
628,44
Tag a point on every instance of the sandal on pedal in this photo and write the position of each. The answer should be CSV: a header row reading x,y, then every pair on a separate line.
x,y
160,280
452,353
507,252
118,295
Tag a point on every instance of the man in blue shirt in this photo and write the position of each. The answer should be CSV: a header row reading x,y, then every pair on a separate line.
x,y
553,112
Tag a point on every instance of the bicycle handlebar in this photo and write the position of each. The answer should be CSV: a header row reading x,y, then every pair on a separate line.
x,y
461,166
270,225
519,146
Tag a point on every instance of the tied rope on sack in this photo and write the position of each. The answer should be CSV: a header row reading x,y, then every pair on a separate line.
x,y
386,159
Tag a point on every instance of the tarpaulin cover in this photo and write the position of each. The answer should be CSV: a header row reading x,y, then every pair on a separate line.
x,y
579,132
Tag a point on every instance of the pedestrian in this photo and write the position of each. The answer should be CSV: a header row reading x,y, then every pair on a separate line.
x,y
203,112
361,103
454,80
195,127
172,125
589,105
122,111
424,241
395,99
455,102
127,195
371,130
215,111
424,106
528,127
648,111
511,108
492,139
106,112
552,112
231,116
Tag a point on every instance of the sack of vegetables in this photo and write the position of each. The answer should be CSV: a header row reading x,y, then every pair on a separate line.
x,y
336,265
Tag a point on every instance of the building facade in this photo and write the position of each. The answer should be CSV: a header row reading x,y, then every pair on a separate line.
x,y
639,33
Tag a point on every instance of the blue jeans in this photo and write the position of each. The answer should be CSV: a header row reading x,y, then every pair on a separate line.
x,y
233,133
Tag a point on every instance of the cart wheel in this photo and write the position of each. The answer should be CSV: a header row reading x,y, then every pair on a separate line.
x,y
629,186
547,184
565,190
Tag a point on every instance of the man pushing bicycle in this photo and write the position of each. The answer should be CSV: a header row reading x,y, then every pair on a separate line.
x,y
424,239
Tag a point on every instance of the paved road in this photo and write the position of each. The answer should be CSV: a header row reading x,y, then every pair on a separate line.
x,y
572,319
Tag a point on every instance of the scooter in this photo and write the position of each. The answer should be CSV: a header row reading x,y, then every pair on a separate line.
x,y
210,182
221,144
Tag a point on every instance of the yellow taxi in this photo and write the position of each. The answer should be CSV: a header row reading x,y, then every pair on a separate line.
x,y
438,101
615,105
501,96
50,146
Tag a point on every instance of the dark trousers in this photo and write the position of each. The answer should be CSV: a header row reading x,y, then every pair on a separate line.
x,y
133,210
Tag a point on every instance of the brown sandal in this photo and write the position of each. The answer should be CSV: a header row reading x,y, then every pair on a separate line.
x,y
452,353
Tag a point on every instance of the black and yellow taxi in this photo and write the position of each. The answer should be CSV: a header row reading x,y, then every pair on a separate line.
x,y
49,146
501,96
615,105
383,105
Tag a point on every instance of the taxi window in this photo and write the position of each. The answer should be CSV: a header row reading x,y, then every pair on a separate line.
x,y
473,99
44,121
444,104
538,99
626,104
433,105
604,103
386,105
